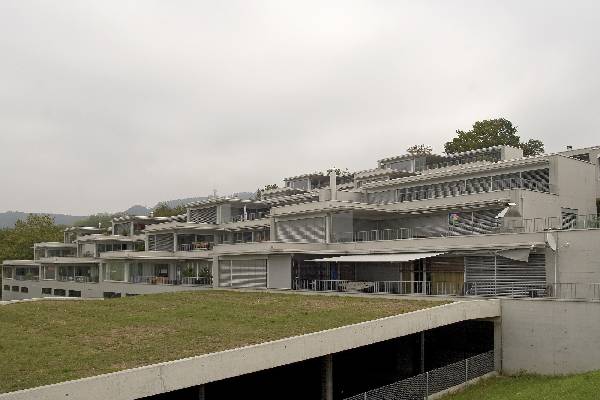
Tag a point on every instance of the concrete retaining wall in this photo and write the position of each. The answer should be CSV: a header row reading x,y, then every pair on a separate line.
x,y
550,336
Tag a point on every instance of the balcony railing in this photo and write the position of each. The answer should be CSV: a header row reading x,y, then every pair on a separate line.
x,y
250,216
197,246
488,289
160,280
77,278
526,225
27,277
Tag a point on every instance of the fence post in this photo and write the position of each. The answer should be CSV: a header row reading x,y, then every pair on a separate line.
x,y
466,370
426,385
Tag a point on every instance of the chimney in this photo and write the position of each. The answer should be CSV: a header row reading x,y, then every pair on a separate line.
x,y
333,184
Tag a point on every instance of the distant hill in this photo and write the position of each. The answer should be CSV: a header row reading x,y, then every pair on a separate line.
x,y
8,219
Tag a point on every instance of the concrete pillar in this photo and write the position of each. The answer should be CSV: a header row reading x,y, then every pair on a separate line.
x,y
175,241
327,377
328,228
333,185
498,344
215,271
126,272
422,343
201,393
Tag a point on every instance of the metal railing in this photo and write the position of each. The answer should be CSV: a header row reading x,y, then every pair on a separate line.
x,y
574,291
525,225
77,278
197,246
26,278
422,386
153,280
161,280
199,281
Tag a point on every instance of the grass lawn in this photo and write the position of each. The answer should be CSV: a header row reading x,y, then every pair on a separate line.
x,y
54,341
530,387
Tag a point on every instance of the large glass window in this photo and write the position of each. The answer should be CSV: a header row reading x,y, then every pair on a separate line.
x,y
49,272
115,271
7,272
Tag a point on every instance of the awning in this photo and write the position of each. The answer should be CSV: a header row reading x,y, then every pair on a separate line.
x,y
516,254
382,258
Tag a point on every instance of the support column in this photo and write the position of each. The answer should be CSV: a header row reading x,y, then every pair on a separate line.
x,y
201,393
175,241
327,377
498,345
422,343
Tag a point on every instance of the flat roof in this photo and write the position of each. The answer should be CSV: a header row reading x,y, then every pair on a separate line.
x,y
97,337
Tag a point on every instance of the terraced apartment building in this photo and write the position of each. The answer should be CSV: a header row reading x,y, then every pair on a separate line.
x,y
487,222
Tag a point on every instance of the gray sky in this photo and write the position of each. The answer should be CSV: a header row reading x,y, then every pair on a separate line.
x,y
104,104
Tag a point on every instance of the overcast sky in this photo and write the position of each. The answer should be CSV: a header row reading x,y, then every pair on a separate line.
x,y
105,104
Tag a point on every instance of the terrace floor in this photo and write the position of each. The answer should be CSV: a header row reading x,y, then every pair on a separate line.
x,y
53,341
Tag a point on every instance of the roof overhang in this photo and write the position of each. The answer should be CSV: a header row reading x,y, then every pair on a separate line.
x,y
379,258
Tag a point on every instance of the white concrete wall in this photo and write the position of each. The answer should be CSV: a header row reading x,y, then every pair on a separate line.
x,y
576,182
279,271
550,336
88,290
578,257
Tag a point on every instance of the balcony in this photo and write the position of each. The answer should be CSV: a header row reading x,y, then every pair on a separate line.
x,y
196,246
28,277
525,225
78,278
162,280
428,288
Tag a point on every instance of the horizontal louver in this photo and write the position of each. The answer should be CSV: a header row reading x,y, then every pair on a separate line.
x,y
243,273
489,275
310,230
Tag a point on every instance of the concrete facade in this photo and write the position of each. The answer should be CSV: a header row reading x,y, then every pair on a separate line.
x,y
550,337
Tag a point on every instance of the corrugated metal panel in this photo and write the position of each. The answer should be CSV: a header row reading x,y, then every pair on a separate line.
x,y
243,273
496,275
311,230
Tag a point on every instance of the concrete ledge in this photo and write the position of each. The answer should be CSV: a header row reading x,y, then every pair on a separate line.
x,y
5,303
173,375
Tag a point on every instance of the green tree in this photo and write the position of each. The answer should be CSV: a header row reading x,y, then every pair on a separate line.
x,y
492,132
95,220
162,209
17,243
419,150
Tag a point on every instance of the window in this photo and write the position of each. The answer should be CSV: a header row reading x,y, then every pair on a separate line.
x,y
49,272
131,294
46,290
161,270
60,292
24,289
115,271
15,288
7,287
7,272
74,293
111,295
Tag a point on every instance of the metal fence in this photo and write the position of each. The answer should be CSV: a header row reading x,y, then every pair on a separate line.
x,y
422,386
